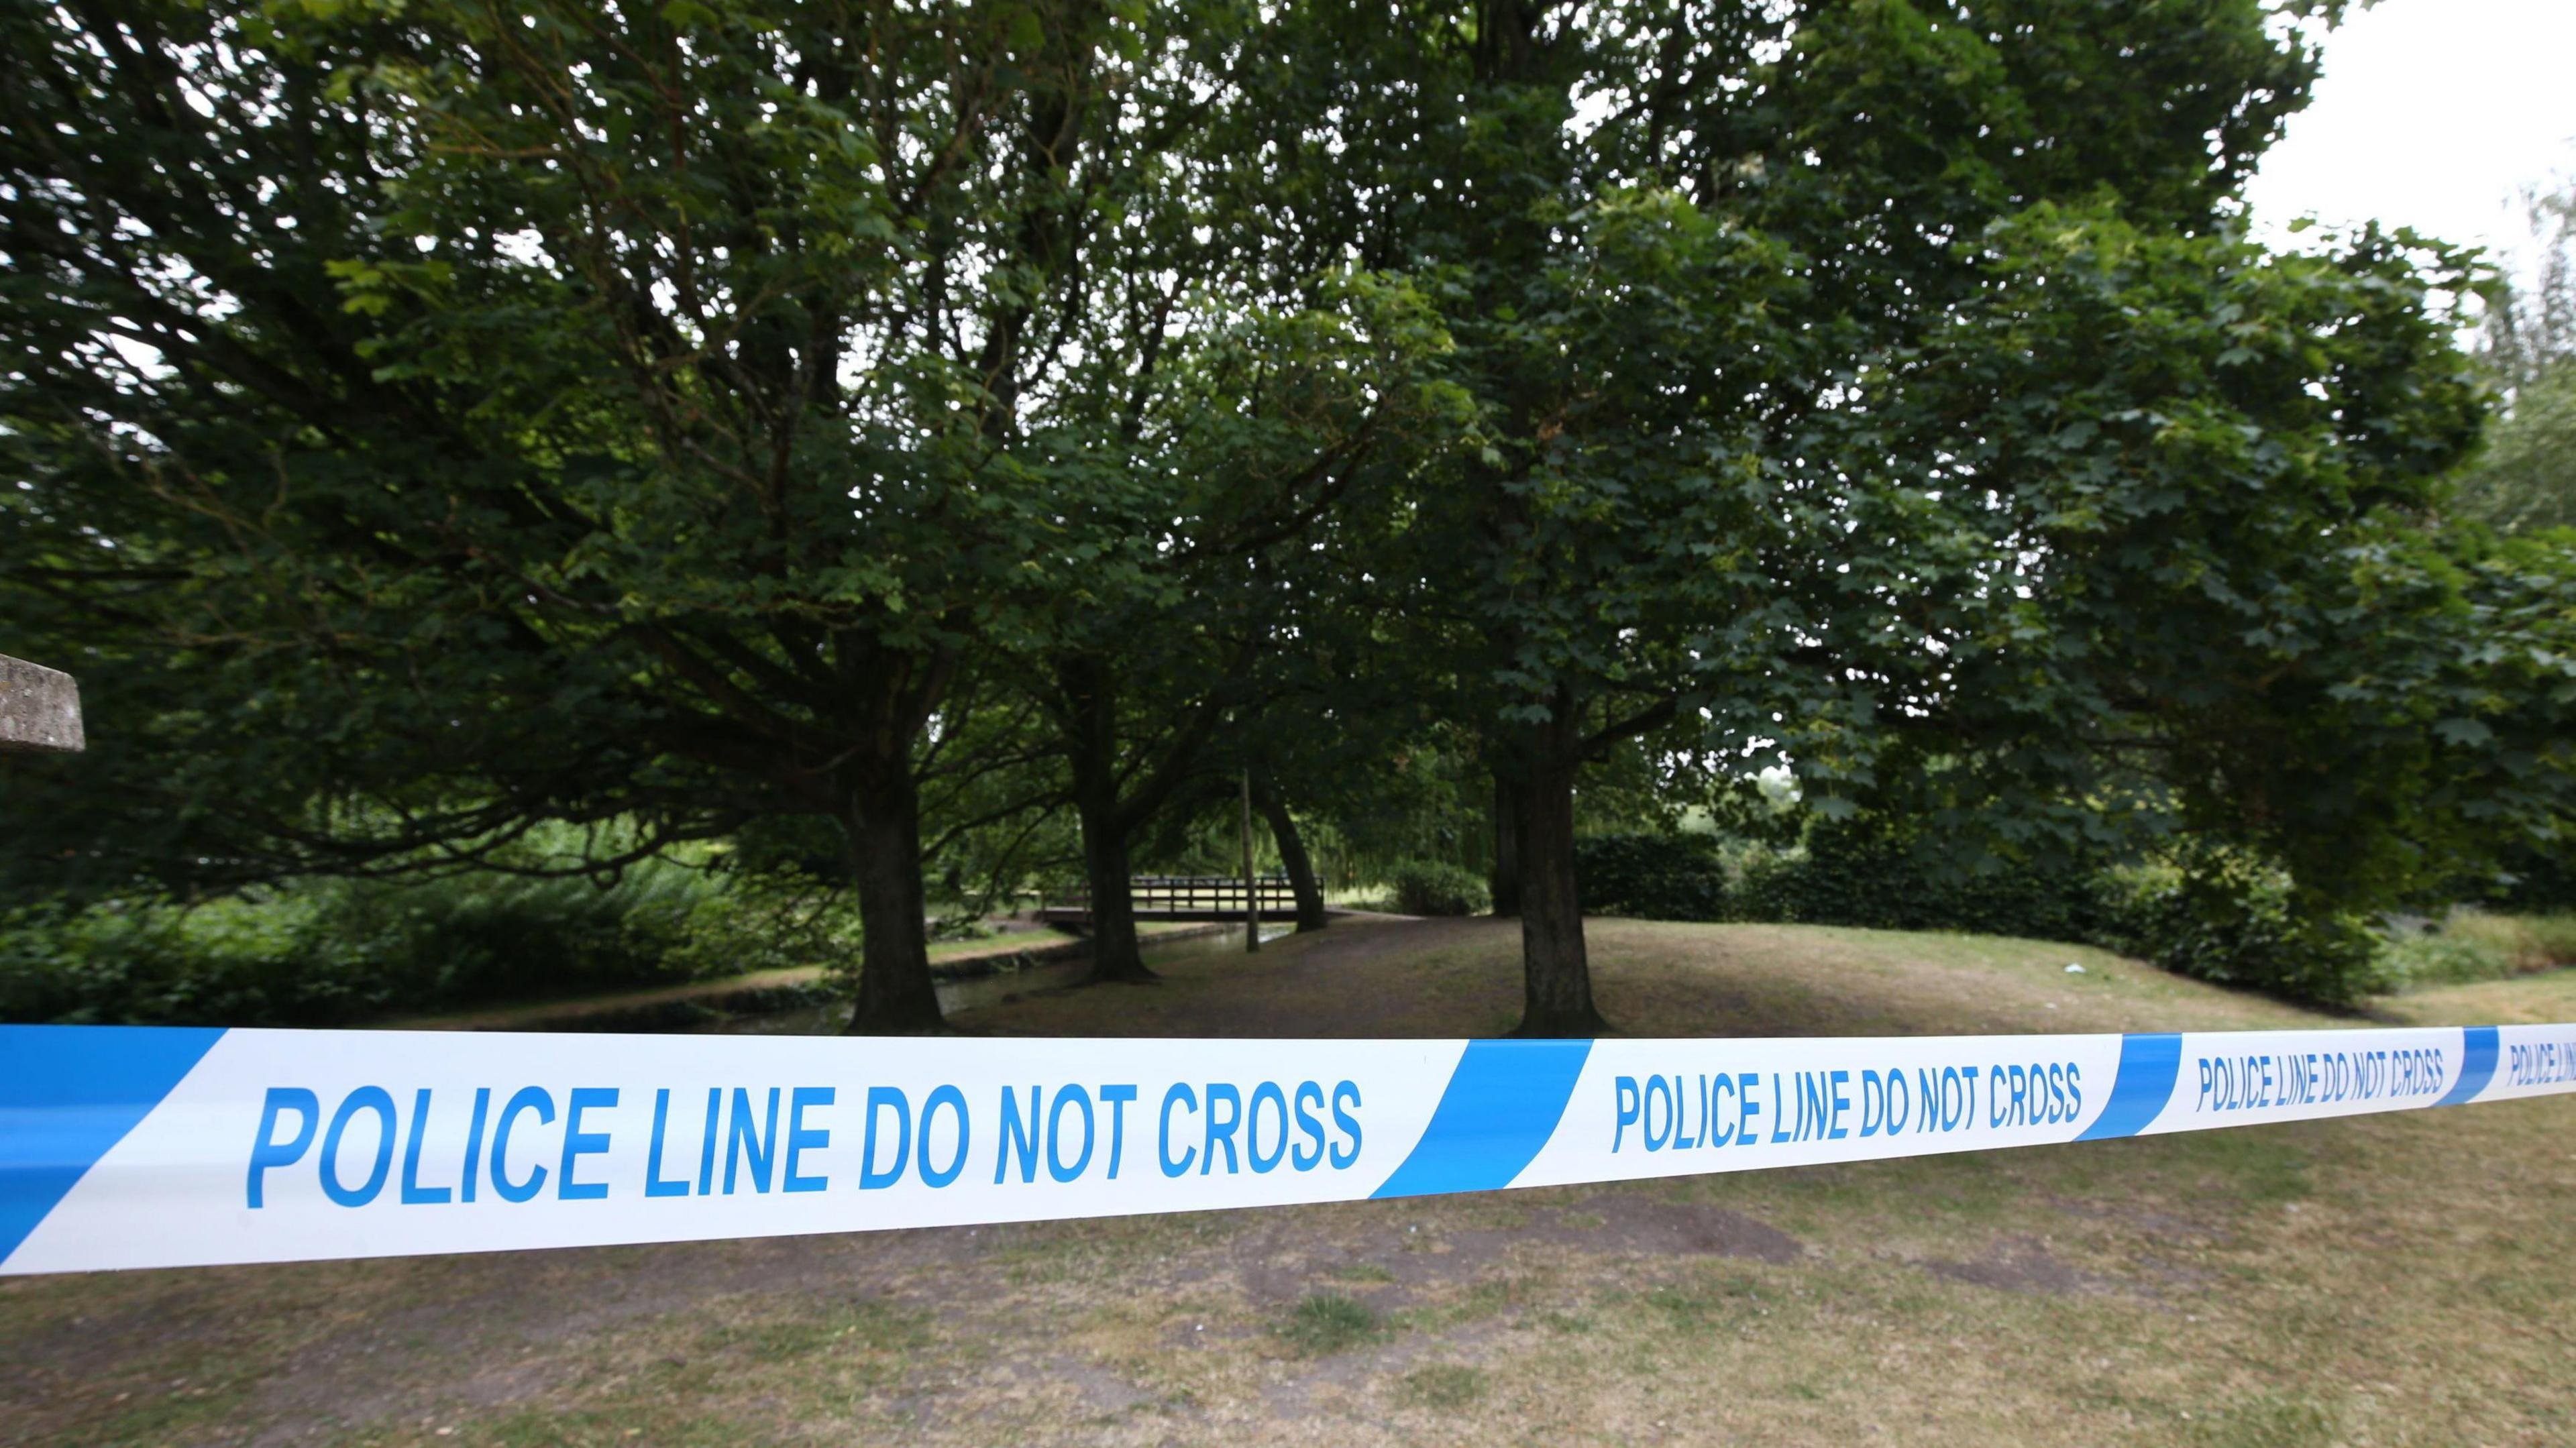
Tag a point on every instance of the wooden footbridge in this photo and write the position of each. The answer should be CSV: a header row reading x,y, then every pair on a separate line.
x,y
1184,897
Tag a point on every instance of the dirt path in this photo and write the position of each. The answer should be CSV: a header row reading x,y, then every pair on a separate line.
x,y
1361,977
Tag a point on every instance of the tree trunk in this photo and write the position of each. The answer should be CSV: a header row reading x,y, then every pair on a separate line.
x,y
895,993
1092,746
1505,882
1293,859
1115,953
1555,969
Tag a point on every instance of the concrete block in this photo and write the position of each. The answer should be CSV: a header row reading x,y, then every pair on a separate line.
x,y
39,709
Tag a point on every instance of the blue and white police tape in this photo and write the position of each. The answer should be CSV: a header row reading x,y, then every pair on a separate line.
x,y
137,1147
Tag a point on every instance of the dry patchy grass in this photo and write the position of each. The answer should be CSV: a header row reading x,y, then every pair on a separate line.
x,y
2387,1280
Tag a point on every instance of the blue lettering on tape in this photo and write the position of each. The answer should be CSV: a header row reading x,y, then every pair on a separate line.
x,y
2149,1065
70,1095
1499,1109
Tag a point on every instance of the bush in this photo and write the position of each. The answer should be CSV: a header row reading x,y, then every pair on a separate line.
x,y
1870,874
227,963
1651,877
2540,879
2229,918
1431,887
323,953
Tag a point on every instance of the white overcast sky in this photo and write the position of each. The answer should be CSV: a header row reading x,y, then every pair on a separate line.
x,y
2432,114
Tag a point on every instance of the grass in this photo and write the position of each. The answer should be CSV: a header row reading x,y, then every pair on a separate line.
x,y
2390,1280
1327,1322
866,1325
2525,942
1448,1386
2472,945
1704,1302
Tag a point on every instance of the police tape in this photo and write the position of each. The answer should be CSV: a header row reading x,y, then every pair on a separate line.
x,y
127,1147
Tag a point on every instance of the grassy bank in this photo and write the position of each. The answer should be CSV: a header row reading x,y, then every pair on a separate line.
x,y
2475,945
2387,1280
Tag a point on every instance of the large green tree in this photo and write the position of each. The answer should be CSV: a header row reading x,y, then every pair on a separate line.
x,y
1716,274
429,419
439,417
1267,440
2229,600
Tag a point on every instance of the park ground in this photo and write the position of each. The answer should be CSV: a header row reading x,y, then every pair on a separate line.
x,y
2391,1280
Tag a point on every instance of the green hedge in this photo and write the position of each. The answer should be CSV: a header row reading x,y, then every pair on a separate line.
x,y
1652,877
2234,920
2221,917
1860,876
1842,876
1434,887
334,952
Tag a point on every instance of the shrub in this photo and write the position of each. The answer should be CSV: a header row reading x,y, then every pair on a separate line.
x,y
1432,887
2227,917
2540,878
497,937
1651,877
228,963
2473,945
321,953
2221,916
1868,873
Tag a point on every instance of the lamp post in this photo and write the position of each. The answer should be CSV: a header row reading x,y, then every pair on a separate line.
x,y
1251,885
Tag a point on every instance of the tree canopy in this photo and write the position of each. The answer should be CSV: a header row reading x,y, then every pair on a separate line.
x,y
2526,479
430,420
580,413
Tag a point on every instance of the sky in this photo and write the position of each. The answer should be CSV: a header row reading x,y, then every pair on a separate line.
x,y
2432,114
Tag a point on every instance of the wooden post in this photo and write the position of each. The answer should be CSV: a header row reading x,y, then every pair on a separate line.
x,y
1251,884
40,710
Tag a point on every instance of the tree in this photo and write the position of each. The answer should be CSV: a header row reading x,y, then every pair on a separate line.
x,y
580,412
1696,263
2228,599
2526,477
1262,439
433,419
1326,722
1117,792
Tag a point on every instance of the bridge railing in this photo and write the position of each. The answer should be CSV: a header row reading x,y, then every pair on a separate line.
x,y
1198,892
